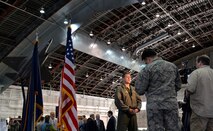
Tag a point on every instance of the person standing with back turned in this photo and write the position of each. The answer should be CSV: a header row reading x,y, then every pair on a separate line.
x,y
128,103
160,81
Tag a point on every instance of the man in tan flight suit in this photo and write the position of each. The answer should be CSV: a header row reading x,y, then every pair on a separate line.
x,y
128,103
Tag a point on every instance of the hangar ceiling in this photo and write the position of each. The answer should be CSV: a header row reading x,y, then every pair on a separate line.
x,y
173,28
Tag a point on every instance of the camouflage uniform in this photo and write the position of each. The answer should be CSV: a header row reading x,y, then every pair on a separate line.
x,y
160,80
124,100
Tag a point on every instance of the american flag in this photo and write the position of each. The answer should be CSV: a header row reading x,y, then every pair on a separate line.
x,y
68,105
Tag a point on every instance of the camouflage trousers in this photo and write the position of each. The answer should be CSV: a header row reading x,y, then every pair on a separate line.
x,y
163,120
199,123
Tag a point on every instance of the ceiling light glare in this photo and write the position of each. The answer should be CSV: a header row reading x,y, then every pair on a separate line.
x,y
50,66
157,15
122,57
186,40
143,3
93,45
133,61
179,33
108,42
87,75
143,65
42,10
193,46
169,25
91,34
123,49
109,52
101,78
65,21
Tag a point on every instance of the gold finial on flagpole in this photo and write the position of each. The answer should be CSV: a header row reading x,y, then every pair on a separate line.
x,y
36,36
69,23
36,39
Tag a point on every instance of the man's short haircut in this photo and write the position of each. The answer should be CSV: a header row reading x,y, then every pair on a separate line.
x,y
47,119
92,115
148,53
110,112
125,72
204,59
42,118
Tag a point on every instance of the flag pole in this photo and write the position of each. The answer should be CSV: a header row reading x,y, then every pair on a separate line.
x,y
69,105
34,96
34,118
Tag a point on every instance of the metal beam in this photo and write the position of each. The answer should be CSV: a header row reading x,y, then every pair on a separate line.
x,y
53,28
183,28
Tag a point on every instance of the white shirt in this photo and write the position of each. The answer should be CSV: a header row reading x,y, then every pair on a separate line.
x,y
53,122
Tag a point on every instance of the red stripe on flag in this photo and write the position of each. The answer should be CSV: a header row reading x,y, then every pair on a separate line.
x,y
68,90
68,126
69,80
69,68
75,122
67,106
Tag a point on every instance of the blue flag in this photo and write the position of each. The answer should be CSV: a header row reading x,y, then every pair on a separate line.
x,y
33,108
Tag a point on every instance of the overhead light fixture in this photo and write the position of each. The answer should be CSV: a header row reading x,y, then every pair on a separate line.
x,y
179,33
193,46
122,57
169,25
50,66
113,82
91,34
87,75
101,78
42,10
157,15
143,3
65,21
186,40
123,49
108,42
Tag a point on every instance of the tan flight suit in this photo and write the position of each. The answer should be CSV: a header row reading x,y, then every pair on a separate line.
x,y
124,100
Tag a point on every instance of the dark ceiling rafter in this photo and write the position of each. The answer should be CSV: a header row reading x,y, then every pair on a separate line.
x,y
130,27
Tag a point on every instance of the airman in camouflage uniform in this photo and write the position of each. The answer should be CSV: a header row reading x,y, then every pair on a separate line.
x,y
160,81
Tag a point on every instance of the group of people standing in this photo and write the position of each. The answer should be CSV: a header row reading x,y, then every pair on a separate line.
x,y
92,124
47,123
160,81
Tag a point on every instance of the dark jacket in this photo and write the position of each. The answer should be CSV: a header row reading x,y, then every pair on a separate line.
x,y
91,125
125,99
111,124
100,127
